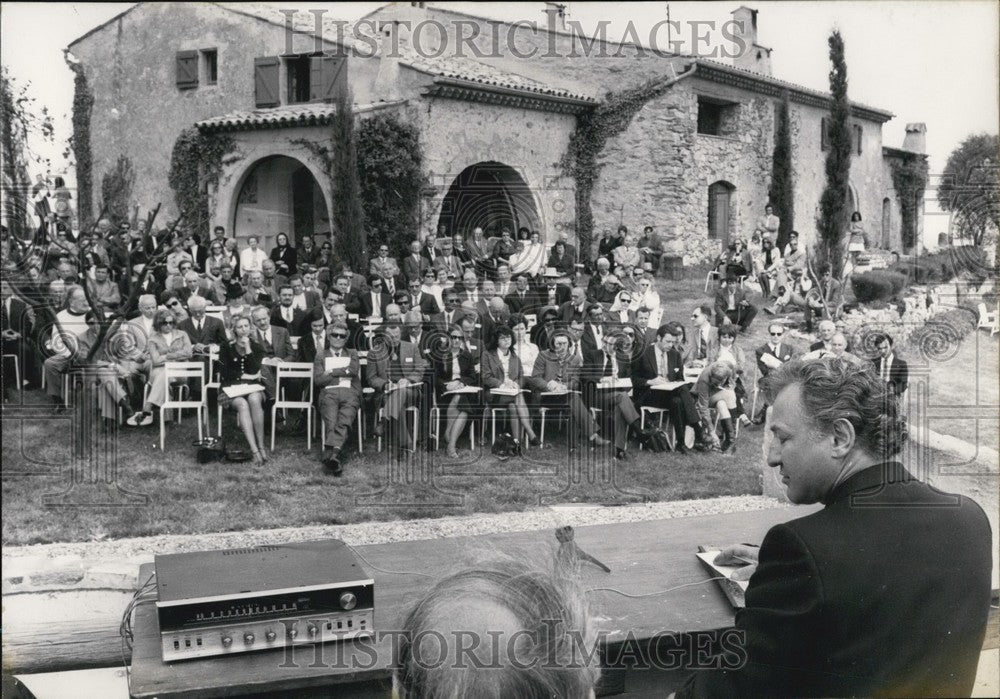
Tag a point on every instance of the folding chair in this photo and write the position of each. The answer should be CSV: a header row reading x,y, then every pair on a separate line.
x,y
17,370
987,319
186,372
712,274
288,371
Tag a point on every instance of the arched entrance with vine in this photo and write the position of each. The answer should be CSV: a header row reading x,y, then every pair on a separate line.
x,y
489,195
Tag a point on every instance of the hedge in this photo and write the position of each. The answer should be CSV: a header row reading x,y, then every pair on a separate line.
x,y
877,285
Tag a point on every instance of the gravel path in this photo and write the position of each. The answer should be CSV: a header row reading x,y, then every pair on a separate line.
x,y
385,532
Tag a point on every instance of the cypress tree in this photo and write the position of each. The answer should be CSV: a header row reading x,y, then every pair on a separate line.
x,y
348,213
782,191
833,217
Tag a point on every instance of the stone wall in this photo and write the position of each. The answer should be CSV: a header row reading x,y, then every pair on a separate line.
x,y
139,110
457,134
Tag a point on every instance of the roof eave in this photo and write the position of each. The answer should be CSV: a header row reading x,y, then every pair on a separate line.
x,y
472,91
710,70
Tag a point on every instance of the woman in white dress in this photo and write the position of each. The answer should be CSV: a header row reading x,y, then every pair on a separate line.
x,y
648,297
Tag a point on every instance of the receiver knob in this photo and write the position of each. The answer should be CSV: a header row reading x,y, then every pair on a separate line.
x,y
248,639
227,641
348,601
313,630
270,635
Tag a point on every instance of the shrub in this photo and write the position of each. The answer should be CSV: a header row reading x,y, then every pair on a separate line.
x,y
877,285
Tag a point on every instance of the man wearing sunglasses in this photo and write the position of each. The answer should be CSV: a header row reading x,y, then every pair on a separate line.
x,y
337,376
771,355
396,370
372,303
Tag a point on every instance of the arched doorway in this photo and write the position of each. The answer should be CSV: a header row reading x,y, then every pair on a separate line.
x,y
279,194
489,195
720,211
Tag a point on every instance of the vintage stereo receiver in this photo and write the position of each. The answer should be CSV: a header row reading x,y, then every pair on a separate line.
x,y
220,602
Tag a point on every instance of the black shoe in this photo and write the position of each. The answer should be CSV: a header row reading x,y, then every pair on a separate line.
x,y
621,455
379,430
681,448
333,467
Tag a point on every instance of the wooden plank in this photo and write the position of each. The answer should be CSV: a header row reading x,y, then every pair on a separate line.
x,y
644,557
71,629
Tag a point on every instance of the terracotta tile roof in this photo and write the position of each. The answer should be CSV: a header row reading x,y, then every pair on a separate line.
x,y
334,28
287,116
467,69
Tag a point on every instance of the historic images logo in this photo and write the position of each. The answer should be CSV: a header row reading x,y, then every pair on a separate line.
x,y
470,38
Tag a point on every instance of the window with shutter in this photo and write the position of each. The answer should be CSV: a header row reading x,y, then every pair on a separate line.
x,y
265,79
719,197
824,134
858,132
187,70
328,77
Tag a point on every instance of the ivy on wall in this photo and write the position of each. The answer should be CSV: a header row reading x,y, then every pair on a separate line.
x,y
608,119
195,164
116,190
83,107
390,170
909,178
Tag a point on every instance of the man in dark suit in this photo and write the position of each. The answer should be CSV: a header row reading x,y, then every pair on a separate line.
x,y
414,265
603,367
558,371
891,369
421,300
276,343
660,364
314,341
827,329
285,315
522,297
576,307
732,305
770,356
372,303
337,377
396,373
593,330
885,591
451,313
197,252
17,332
203,330
702,336
552,293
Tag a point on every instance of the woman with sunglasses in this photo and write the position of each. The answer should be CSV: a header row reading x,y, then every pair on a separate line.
x,y
502,369
240,362
452,372
648,297
325,258
217,258
621,310
284,256
165,344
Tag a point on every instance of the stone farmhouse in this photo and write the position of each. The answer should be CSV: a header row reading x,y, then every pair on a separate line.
x,y
494,124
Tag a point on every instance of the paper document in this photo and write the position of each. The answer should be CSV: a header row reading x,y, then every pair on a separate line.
x,y
615,383
506,391
669,386
769,360
734,589
331,363
344,382
463,389
242,389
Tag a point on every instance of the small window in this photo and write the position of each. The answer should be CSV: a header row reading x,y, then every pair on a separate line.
x,y
709,118
824,133
210,66
187,69
299,69
856,128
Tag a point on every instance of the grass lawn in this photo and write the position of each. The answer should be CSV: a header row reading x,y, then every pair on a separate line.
x,y
186,497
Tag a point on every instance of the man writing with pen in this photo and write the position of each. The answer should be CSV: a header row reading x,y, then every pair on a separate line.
x,y
884,591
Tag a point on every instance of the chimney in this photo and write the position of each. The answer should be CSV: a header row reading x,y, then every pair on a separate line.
x,y
393,43
916,138
556,16
752,56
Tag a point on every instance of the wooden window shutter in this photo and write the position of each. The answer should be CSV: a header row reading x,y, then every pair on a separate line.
x,y
824,134
265,81
328,76
857,138
187,69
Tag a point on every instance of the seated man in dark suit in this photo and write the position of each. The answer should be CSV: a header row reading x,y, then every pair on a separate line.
x,y
885,591
557,370
285,315
891,369
396,371
314,340
372,303
732,305
277,346
660,364
771,356
337,377
421,300
576,307
602,367
522,297
551,293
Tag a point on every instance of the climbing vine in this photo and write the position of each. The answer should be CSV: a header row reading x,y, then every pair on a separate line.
x,y
83,107
390,170
593,130
116,190
909,178
195,164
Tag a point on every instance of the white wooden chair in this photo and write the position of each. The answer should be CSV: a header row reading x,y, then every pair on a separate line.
x,y
988,319
436,414
712,274
17,370
291,371
187,372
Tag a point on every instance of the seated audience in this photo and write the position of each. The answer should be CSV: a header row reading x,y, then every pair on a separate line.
x,y
454,371
337,377
395,370
503,372
166,344
240,371
732,305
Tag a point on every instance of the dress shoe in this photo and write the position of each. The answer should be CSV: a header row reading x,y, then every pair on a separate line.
x,y
599,441
681,448
621,455
332,465
379,428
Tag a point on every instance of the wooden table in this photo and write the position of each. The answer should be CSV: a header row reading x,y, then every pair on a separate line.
x,y
644,557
